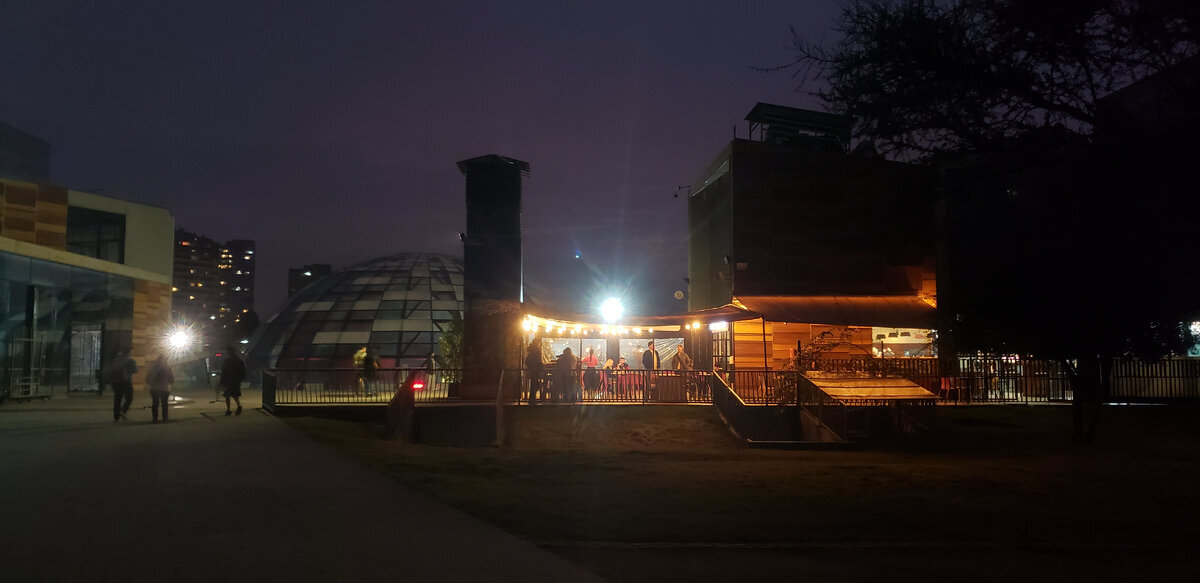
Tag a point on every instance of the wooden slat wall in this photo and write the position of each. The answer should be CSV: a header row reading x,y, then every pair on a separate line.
x,y
33,213
748,344
782,337
151,316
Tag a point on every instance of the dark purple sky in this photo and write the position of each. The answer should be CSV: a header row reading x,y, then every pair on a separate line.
x,y
329,131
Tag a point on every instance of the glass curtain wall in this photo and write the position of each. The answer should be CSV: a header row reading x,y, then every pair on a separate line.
x,y
59,322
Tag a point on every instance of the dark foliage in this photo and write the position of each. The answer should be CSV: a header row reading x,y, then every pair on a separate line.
x,y
925,76
1064,133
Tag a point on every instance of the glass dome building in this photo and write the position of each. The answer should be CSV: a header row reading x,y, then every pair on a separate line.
x,y
399,305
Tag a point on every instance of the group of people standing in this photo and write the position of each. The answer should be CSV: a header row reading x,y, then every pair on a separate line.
x,y
119,370
569,370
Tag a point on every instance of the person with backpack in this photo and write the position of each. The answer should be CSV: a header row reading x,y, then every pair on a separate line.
x,y
159,379
233,371
119,373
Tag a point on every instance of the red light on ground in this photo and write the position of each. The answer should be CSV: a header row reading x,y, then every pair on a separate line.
x,y
418,386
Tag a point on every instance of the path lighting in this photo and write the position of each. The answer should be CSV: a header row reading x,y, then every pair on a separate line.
x,y
611,309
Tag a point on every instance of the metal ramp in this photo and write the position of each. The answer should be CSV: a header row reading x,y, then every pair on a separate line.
x,y
858,391
874,406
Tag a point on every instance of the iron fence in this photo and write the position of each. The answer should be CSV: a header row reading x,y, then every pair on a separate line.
x,y
618,386
974,379
1168,379
348,386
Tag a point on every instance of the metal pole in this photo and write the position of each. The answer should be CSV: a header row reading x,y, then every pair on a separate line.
x,y
764,343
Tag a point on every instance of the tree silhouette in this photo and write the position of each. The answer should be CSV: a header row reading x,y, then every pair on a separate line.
x,y
925,77
1067,202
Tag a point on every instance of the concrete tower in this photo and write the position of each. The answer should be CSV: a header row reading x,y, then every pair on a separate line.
x,y
492,277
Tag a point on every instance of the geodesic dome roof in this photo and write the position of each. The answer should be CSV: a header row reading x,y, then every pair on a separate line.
x,y
399,305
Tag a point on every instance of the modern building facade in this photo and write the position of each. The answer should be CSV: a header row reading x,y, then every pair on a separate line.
x,y
213,284
82,276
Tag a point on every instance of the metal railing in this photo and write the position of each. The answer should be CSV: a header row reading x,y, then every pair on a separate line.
x,y
618,386
963,380
1168,379
731,407
348,386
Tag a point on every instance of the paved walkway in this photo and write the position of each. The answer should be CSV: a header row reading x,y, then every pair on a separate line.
x,y
216,499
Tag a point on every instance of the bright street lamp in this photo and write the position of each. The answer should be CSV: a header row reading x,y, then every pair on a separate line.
x,y
611,310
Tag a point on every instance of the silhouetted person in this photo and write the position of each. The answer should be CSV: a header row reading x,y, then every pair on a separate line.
x,y
650,357
591,378
432,364
159,379
566,376
370,371
233,370
360,357
535,371
119,373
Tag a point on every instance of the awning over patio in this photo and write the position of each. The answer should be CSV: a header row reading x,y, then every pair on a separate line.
x,y
726,313
885,311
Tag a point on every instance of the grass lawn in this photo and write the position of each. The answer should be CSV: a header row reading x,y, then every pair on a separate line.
x,y
994,475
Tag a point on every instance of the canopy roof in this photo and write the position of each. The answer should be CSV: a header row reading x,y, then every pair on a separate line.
x,y
885,311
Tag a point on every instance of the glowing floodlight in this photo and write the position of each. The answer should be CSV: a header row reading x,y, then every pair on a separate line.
x,y
611,309
179,340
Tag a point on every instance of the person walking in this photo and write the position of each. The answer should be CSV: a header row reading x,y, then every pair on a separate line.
x,y
119,373
233,370
159,379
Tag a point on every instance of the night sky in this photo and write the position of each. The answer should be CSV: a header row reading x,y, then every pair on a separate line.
x,y
329,131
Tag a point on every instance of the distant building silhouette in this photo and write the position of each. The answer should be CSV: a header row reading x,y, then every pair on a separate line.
x,y
213,283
